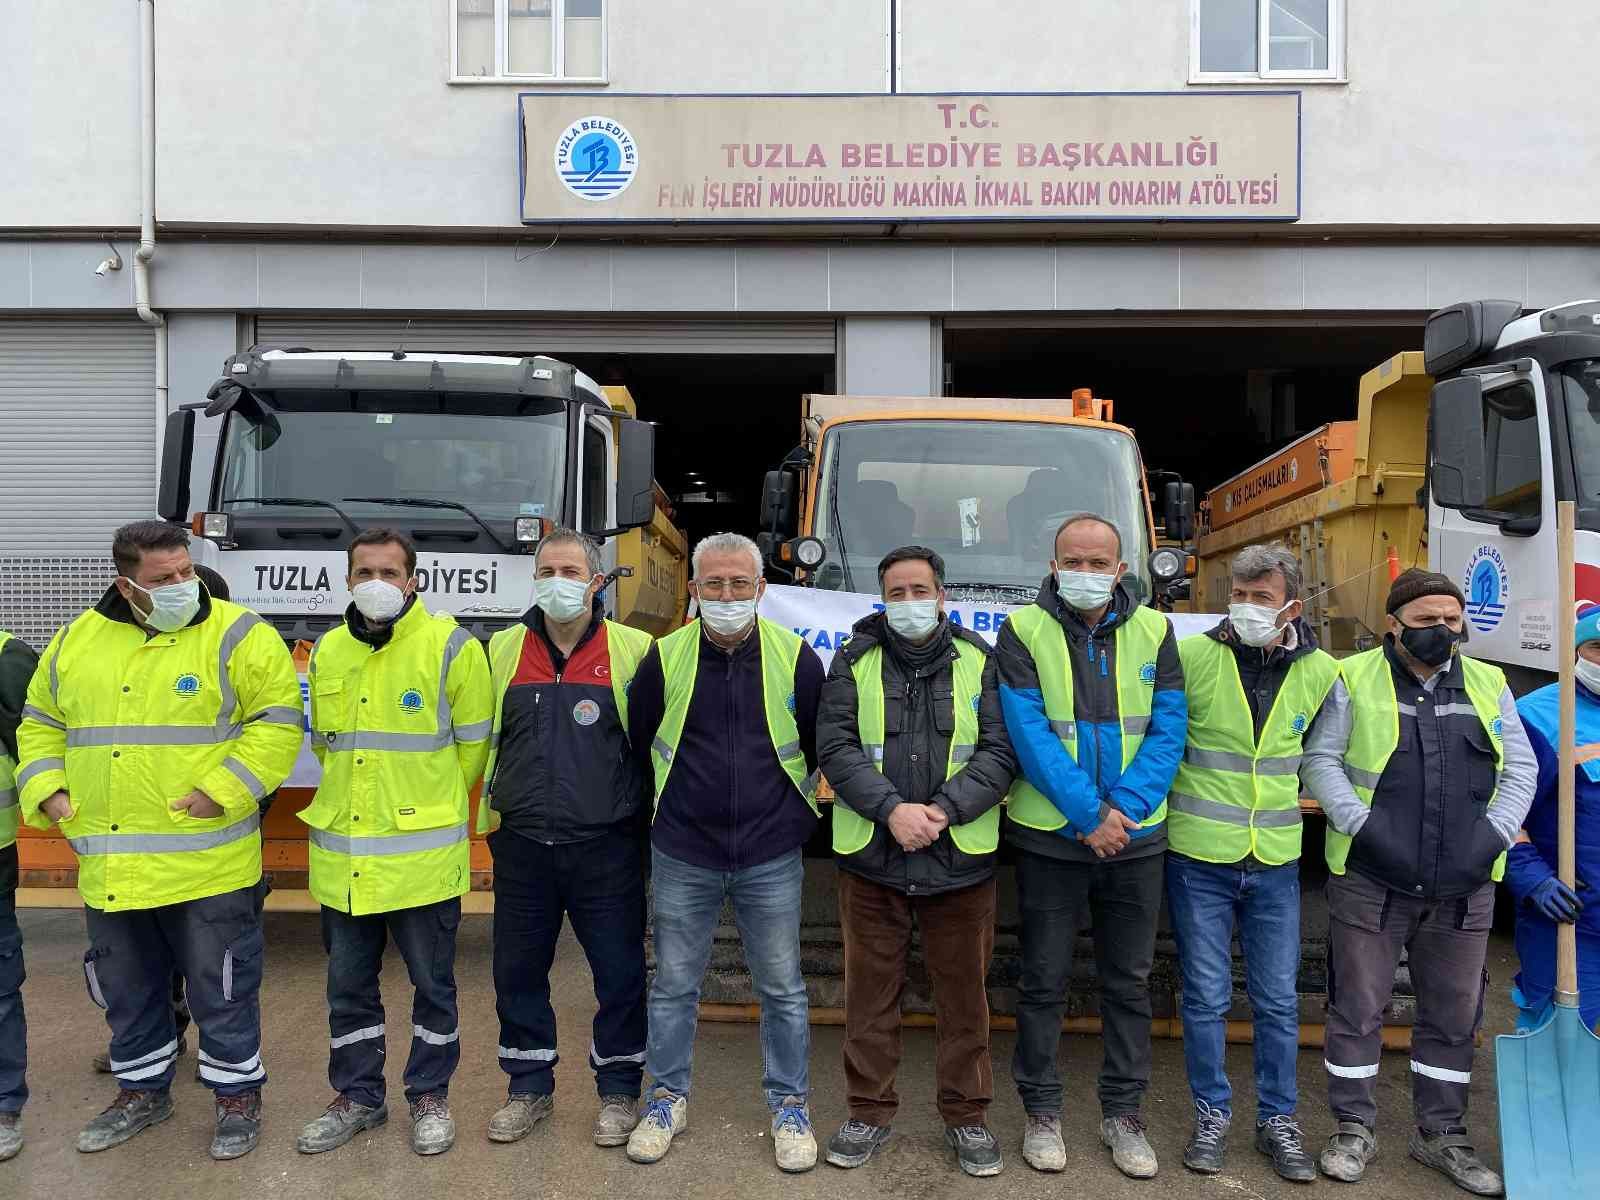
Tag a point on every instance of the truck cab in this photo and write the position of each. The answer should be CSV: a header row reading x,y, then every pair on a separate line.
x,y
1514,427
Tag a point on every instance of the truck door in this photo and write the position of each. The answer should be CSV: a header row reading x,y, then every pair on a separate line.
x,y
597,483
1503,556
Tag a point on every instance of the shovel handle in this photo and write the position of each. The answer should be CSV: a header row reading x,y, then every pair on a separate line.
x,y
1566,790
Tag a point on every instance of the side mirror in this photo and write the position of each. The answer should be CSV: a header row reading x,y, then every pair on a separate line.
x,y
636,473
177,454
1458,476
1178,511
780,498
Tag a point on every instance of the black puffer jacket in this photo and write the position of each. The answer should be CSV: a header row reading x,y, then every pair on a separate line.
x,y
918,721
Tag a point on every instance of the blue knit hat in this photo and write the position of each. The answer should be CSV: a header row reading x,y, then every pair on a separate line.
x,y
1588,624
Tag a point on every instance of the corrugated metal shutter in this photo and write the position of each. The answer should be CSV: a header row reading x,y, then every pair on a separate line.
x,y
77,459
537,336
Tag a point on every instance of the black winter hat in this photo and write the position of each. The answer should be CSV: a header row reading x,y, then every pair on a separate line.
x,y
1416,583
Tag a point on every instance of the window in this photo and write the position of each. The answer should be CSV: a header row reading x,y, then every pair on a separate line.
x,y
1511,446
596,457
527,40
1233,41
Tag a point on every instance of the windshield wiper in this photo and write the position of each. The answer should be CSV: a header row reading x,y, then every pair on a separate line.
x,y
423,502
295,502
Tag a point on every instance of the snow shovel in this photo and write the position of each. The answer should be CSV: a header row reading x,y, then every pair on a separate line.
x,y
1550,1078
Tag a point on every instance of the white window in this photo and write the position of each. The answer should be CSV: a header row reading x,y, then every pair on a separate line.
x,y
1237,41
563,41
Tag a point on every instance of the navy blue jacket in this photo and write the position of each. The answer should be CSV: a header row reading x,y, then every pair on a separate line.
x,y
1528,867
728,803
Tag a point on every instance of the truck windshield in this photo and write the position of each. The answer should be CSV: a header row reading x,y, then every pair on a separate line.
x,y
987,495
500,456
1583,427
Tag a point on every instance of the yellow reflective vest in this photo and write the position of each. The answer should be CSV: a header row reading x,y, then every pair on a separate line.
x,y
402,733
127,721
8,784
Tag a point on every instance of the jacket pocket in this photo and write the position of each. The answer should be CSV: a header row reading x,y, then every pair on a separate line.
x,y
331,698
241,964
91,974
1374,846
428,814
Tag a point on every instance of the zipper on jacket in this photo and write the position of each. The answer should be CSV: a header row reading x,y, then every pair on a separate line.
x,y
733,772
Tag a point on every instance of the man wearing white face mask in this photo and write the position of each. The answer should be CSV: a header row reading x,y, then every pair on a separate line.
x,y
724,710
401,712
911,738
155,725
1092,691
1255,685
563,797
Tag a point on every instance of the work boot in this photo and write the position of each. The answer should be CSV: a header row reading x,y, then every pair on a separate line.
x,y
1349,1150
432,1130
130,1113
1281,1139
1452,1155
518,1115
793,1143
855,1142
665,1116
1130,1149
343,1119
977,1150
1209,1145
618,1115
102,1062
10,1135
238,1125
1042,1147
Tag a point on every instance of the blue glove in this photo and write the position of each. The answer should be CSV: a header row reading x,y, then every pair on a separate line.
x,y
1556,901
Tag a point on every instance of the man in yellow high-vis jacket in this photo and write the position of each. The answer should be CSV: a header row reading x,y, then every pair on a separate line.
x,y
17,663
1092,690
911,738
724,710
401,712
155,725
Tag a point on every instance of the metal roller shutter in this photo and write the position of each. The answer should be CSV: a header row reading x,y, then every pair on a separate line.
x,y
538,336
77,459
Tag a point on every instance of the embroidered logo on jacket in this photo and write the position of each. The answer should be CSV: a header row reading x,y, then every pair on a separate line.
x,y
1147,673
411,701
585,712
187,684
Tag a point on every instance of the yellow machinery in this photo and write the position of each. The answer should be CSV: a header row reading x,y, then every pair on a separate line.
x,y
654,594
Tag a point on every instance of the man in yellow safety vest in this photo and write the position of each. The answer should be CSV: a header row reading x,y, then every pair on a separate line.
x,y
156,724
17,663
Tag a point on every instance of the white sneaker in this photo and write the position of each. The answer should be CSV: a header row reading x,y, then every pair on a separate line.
x,y
793,1143
665,1116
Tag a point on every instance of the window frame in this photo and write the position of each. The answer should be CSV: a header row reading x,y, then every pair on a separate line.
x,y
502,40
1333,73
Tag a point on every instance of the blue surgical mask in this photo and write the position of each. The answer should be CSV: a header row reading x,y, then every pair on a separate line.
x,y
561,599
912,619
173,606
728,617
1086,591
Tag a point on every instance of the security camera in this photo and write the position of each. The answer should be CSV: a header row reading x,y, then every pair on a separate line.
x,y
113,263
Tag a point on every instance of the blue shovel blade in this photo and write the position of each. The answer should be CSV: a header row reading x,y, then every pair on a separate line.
x,y
1550,1110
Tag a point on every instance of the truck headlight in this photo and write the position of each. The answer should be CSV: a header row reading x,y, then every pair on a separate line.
x,y
529,529
218,526
808,552
1166,564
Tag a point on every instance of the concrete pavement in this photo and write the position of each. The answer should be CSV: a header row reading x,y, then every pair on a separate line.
x,y
727,1152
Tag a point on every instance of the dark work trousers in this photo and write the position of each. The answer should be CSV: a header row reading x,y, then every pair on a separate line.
x,y
1123,899
1447,941
13,1025
957,942
426,939
216,944
598,884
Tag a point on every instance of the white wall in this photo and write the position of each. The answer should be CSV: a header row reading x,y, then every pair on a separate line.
x,y
304,112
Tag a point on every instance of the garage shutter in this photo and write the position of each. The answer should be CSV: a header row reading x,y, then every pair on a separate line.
x,y
77,459
470,335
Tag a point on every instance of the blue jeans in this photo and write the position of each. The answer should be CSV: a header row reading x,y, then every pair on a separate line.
x,y
1207,901
13,1025
687,902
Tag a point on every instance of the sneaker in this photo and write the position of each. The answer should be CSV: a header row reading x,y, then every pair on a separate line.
x,y
665,1116
102,1062
10,1135
1349,1150
432,1130
238,1125
1042,1147
977,1150
130,1113
1209,1145
618,1115
1130,1149
1452,1155
342,1120
518,1116
855,1142
793,1143
1281,1139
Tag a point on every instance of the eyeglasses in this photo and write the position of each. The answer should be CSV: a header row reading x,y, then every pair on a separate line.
x,y
719,589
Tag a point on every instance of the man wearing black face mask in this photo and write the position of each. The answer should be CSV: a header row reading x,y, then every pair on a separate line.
x,y
1421,763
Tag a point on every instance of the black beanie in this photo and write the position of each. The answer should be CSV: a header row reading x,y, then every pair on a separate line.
x,y
1416,583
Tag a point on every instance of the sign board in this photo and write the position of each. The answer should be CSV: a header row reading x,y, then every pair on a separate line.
x,y
1157,156
312,582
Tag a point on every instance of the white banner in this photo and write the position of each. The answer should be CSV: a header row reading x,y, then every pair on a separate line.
x,y
824,618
